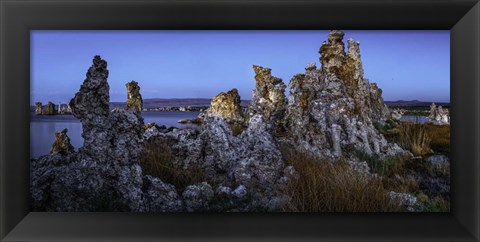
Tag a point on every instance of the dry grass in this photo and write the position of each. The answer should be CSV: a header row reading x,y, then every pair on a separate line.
x,y
421,139
333,187
440,138
395,171
157,160
414,137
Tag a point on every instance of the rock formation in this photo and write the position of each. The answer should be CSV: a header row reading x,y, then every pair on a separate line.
x,y
439,115
61,143
268,98
227,106
64,109
49,109
348,67
69,109
104,173
330,113
332,52
331,110
397,114
38,108
251,160
134,98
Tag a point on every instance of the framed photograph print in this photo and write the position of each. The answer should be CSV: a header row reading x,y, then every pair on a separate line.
x,y
227,120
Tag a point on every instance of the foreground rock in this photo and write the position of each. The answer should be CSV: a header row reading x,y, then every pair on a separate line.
x,y
250,161
439,162
104,174
407,201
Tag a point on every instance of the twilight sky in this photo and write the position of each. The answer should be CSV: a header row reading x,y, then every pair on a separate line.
x,y
199,64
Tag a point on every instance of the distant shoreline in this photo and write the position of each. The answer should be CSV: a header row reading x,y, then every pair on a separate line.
x,y
200,104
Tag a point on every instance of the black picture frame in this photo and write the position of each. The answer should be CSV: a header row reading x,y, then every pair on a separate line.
x,y
18,17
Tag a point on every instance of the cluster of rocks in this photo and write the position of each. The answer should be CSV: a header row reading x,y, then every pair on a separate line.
x,y
397,113
408,201
439,115
105,174
178,109
51,109
330,113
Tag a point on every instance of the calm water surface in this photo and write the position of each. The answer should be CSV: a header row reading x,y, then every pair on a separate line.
x,y
418,119
43,128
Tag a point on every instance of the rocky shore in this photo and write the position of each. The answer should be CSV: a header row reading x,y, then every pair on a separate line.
x,y
235,161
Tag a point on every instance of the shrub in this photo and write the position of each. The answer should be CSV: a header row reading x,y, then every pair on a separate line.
x,y
414,137
384,167
325,186
437,204
394,171
157,160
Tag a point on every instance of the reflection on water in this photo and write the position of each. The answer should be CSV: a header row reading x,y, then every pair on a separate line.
x,y
43,128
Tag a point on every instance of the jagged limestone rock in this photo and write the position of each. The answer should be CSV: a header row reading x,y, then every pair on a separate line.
x,y
38,108
439,115
227,106
331,111
407,201
49,109
268,98
91,103
67,183
251,160
159,196
348,68
439,162
134,98
332,53
61,143
198,197
104,173
91,106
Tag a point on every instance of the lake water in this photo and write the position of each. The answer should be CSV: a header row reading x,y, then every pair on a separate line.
x,y
43,128
418,119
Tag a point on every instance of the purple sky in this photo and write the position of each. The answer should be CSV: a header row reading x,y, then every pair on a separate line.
x,y
199,64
